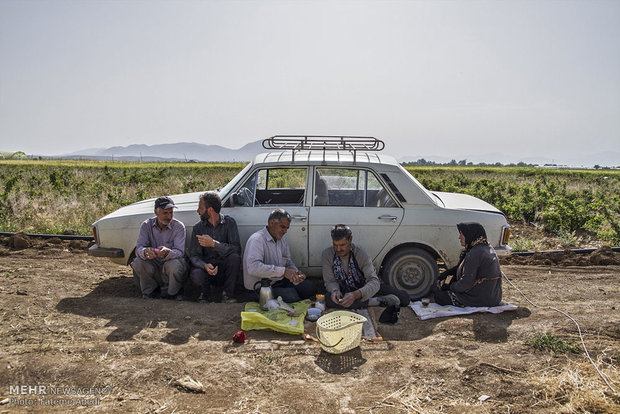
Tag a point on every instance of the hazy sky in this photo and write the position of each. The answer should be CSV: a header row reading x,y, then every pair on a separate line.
x,y
429,77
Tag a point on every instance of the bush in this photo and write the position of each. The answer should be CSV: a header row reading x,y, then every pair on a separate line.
x,y
43,196
550,342
54,196
561,201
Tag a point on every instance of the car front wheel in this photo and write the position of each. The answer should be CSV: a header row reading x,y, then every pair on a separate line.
x,y
413,270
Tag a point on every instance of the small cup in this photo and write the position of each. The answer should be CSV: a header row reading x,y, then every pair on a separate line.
x,y
425,301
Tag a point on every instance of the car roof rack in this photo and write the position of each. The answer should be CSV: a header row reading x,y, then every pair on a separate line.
x,y
323,143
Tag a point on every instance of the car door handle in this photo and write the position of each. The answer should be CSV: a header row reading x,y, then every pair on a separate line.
x,y
387,217
302,218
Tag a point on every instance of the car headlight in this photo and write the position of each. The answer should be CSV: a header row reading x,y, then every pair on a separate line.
x,y
505,235
95,235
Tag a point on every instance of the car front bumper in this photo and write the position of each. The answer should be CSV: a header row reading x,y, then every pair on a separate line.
x,y
97,251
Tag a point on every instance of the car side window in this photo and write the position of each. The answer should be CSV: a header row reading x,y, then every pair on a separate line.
x,y
276,186
348,187
376,196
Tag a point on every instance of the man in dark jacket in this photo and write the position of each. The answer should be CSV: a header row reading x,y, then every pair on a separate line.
x,y
214,252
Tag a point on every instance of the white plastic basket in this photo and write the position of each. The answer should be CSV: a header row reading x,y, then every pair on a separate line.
x,y
339,331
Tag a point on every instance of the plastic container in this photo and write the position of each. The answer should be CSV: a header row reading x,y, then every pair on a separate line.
x,y
320,302
313,314
339,331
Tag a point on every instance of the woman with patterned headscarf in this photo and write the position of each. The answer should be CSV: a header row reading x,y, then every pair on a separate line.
x,y
477,278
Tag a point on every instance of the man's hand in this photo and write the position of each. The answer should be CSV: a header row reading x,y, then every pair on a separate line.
x,y
443,275
206,241
149,253
212,270
336,296
161,251
294,276
349,298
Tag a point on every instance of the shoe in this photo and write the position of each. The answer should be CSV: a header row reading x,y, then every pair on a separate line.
x,y
216,294
178,296
227,299
202,298
149,296
163,292
390,315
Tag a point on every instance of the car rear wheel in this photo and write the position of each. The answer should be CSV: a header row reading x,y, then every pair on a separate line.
x,y
413,270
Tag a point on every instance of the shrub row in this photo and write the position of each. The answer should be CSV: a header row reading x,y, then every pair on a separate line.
x,y
57,196
559,200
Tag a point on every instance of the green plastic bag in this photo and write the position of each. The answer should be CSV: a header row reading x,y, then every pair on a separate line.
x,y
254,318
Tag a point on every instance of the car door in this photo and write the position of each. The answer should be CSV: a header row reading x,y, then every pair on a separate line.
x,y
265,190
355,197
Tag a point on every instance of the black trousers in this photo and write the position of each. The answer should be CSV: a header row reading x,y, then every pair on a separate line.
x,y
291,292
228,273
442,297
384,290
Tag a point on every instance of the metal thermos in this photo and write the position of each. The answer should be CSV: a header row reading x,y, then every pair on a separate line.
x,y
265,293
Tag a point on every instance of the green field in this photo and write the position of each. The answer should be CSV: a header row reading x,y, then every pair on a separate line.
x,y
562,201
59,196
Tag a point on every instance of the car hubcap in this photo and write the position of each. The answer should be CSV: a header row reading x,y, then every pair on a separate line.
x,y
411,274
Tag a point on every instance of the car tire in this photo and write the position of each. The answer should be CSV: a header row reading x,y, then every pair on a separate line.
x,y
413,270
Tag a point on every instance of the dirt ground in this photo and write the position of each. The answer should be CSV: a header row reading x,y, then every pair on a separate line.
x,y
70,320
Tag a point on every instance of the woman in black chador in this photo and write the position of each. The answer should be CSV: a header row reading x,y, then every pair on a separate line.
x,y
477,278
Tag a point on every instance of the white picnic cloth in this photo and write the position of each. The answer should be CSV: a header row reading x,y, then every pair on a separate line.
x,y
434,310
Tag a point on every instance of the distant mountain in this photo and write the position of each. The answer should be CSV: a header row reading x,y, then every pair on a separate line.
x,y
88,151
188,151
182,151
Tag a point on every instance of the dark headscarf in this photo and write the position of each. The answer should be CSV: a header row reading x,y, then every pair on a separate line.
x,y
474,234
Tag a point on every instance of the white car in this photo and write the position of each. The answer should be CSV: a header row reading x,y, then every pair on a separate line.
x,y
322,181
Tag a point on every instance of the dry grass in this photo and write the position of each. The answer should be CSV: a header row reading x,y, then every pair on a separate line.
x,y
413,397
577,387
524,244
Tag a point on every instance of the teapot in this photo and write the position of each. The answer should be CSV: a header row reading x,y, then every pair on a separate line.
x,y
265,294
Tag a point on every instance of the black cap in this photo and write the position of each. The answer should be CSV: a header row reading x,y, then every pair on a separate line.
x,y
164,202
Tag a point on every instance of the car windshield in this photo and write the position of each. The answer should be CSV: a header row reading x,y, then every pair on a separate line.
x,y
231,184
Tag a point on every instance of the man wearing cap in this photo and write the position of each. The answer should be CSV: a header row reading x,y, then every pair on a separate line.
x,y
160,248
